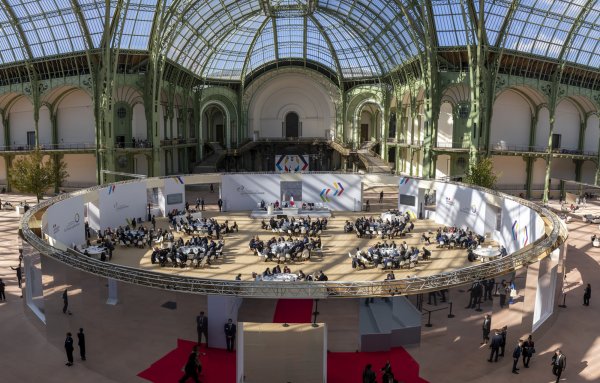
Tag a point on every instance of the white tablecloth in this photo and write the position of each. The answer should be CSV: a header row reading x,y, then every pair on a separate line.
x,y
95,250
188,249
487,253
281,278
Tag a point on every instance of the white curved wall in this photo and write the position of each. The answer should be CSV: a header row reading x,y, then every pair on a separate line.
x,y
75,119
511,120
44,126
510,170
543,128
567,123
445,125
139,127
286,93
592,134
21,121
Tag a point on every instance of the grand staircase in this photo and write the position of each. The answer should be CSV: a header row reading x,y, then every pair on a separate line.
x,y
372,162
209,164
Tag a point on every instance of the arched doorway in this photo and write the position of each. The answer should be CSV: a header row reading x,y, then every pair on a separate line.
x,y
292,125
215,120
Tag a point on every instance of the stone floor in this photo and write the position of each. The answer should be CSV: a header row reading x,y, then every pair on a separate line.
x,y
450,350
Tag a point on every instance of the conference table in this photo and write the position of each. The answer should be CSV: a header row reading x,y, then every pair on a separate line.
x,y
281,277
95,250
487,253
192,249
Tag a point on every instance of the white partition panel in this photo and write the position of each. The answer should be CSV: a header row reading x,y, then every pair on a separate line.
x,y
245,191
339,192
220,309
520,226
121,202
172,195
64,223
408,195
462,207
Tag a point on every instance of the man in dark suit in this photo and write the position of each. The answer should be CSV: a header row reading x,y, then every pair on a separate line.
x,y
192,367
559,363
503,345
220,203
69,349
81,343
495,345
202,327
230,330
486,327
516,356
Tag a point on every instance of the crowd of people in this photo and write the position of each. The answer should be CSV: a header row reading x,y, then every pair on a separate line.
x,y
296,226
300,276
282,249
373,227
388,256
194,252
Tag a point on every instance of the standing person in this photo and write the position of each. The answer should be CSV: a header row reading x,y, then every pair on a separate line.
x,y
473,295
81,343
2,287
432,294
388,375
486,327
65,298
220,203
528,351
495,345
586,295
516,356
503,345
230,330
153,222
368,375
69,349
559,363
367,206
202,203
202,327
19,273
212,189
192,366
381,197
197,203
489,288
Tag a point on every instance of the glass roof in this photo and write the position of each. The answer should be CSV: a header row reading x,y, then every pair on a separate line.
x,y
228,39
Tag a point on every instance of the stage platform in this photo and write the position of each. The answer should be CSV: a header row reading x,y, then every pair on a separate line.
x,y
260,214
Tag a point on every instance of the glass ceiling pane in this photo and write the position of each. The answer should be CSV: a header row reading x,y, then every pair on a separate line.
x,y
316,47
449,21
264,48
138,24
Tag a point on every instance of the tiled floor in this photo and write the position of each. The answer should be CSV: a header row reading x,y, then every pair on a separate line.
x,y
450,350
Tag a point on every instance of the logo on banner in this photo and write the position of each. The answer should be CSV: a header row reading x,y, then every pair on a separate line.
x,y
291,163
243,191
515,233
337,191
118,206
72,224
471,210
179,180
111,189
55,228
449,201
404,180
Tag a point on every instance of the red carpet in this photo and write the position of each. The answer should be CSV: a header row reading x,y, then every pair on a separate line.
x,y
347,367
293,311
218,365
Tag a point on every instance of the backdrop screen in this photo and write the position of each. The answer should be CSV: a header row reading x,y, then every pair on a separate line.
x,y
174,199
408,200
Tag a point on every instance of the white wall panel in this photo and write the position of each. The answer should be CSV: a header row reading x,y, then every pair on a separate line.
x,y
44,126
172,185
64,222
510,170
139,127
121,202
445,125
463,207
543,128
562,168
75,119
81,169
244,192
511,120
592,134
567,123
291,93
21,121
314,186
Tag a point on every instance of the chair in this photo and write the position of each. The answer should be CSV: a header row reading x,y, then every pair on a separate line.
x,y
306,255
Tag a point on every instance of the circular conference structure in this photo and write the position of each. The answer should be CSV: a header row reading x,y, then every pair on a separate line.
x,y
94,244
259,160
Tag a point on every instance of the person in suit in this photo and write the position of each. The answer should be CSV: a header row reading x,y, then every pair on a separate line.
x,y
486,327
495,345
2,287
586,295
388,375
230,330
503,345
69,349
81,343
516,356
192,367
202,327
559,364
220,203
65,298
19,273
528,350
368,375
